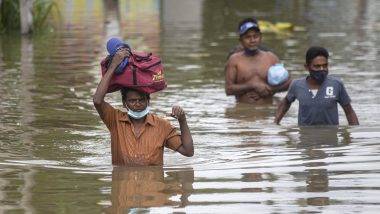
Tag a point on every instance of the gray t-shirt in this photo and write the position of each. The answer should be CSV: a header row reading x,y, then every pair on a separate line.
x,y
320,109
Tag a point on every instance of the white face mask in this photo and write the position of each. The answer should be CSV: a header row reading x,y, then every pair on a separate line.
x,y
138,114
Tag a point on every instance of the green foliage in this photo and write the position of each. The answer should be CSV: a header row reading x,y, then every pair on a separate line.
x,y
41,11
10,14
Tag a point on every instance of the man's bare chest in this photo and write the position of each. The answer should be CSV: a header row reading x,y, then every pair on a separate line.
x,y
248,70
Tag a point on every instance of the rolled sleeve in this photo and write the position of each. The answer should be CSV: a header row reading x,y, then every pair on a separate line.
x,y
109,115
173,140
291,96
344,98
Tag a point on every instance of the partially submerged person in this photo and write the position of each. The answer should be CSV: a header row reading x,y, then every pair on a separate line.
x,y
247,70
318,94
138,137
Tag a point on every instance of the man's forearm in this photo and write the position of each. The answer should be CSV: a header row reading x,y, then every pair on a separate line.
x,y
353,120
281,110
238,89
102,88
350,115
187,140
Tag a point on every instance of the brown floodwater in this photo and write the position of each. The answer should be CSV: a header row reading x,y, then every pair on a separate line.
x,y
55,151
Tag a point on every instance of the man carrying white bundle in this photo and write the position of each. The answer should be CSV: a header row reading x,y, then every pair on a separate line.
x,y
248,71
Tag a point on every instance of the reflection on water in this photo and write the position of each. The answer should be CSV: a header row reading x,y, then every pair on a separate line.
x,y
55,152
145,187
259,112
311,140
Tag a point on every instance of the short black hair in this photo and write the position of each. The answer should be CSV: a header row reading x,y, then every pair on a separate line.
x,y
124,91
242,22
315,51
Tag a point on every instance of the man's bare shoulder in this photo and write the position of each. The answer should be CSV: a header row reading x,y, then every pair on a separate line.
x,y
235,57
270,55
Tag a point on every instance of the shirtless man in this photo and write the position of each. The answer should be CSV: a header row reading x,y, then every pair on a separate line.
x,y
246,71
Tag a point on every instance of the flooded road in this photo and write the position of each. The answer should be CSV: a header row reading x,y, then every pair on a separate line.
x,y
55,151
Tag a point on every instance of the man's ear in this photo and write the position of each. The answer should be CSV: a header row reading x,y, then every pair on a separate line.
x,y
125,104
306,67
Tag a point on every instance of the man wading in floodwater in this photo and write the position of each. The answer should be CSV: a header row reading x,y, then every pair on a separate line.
x,y
247,70
137,136
318,94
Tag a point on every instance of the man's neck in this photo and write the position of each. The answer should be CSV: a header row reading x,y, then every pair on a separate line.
x,y
251,53
313,84
137,121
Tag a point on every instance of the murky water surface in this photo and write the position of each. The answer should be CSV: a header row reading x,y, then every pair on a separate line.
x,y
55,152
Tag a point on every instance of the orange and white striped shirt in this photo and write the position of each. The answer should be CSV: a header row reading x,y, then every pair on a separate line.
x,y
146,148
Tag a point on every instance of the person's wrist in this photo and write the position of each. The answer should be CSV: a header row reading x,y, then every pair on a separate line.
x,y
182,119
253,87
276,121
112,68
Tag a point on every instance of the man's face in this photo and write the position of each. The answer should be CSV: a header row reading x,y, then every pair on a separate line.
x,y
317,64
123,47
135,101
251,39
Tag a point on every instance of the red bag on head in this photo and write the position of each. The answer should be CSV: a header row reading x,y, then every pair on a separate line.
x,y
144,73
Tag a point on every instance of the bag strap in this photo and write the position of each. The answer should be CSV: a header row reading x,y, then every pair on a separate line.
x,y
140,58
134,75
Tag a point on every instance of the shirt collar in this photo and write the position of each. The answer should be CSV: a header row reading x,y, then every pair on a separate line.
x,y
149,119
322,85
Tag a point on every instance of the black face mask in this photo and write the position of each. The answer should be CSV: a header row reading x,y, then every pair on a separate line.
x,y
250,52
318,75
